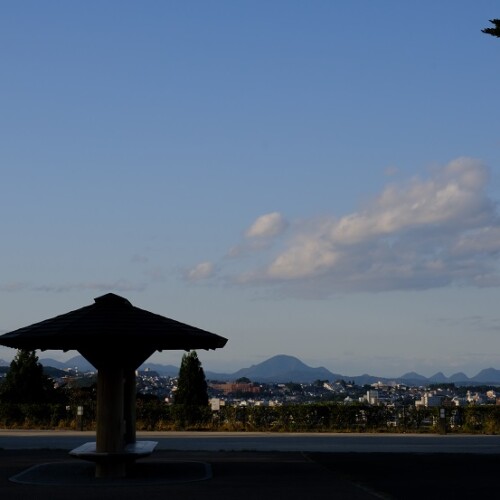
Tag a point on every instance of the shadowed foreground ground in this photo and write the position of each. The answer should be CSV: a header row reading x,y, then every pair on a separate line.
x,y
53,475
418,476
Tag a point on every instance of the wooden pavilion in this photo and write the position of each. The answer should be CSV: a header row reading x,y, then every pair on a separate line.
x,y
116,338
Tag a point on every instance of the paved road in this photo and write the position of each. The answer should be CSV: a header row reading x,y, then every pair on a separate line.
x,y
265,442
35,464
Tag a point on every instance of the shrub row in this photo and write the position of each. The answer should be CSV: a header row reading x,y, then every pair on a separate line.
x,y
322,417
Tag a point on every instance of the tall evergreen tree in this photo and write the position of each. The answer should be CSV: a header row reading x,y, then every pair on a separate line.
x,y
192,385
25,381
495,31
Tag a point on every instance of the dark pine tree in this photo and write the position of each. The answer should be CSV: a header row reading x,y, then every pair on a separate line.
x,y
494,31
25,381
192,386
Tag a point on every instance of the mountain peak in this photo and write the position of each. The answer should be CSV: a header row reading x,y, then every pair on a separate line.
x,y
284,368
438,377
487,375
283,361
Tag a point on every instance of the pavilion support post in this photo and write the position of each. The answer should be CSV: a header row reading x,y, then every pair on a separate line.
x,y
129,406
110,421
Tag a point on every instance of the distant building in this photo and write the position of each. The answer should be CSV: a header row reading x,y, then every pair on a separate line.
x,y
232,387
429,400
216,403
475,398
372,397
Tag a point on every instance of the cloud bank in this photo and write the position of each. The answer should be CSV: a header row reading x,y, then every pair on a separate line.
x,y
424,233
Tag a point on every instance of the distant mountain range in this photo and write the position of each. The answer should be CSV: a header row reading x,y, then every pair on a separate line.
x,y
283,369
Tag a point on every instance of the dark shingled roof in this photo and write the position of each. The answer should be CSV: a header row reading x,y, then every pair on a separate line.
x,y
112,325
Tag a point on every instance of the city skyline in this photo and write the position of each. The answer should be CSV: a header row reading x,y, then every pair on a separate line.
x,y
315,180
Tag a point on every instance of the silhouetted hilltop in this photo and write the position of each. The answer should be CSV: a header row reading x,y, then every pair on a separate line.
x,y
283,368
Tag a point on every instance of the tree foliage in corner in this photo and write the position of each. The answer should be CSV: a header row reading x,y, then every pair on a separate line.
x,y
25,381
191,386
493,31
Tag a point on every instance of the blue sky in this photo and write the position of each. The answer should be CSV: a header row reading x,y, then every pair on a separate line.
x,y
319,179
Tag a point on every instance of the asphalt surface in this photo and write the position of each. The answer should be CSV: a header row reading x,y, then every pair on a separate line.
x,y
51,474
268,441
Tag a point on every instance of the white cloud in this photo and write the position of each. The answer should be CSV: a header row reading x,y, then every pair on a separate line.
x,y
267,226
453,196
260,235
421,234
201,271
307,256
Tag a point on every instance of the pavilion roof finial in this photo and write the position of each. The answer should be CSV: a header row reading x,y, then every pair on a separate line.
x,y
112,299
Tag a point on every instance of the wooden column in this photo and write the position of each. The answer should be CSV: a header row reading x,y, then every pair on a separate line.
x,y
110,420
129,406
